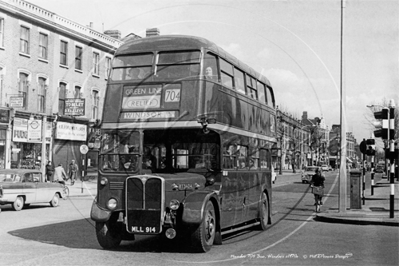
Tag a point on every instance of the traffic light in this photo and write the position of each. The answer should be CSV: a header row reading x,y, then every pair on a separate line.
x,y
392,123
381,126
370,144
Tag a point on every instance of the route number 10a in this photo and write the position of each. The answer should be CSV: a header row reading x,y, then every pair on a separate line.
x,y
172,95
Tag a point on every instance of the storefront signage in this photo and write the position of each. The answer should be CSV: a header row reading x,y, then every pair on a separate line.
x,y
34,130
69,131
75,107
17,101
20,130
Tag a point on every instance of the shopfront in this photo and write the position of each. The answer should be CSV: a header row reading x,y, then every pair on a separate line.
x,y
26,144
67,141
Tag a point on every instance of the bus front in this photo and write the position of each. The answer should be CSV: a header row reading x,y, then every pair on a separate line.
x,y
154,154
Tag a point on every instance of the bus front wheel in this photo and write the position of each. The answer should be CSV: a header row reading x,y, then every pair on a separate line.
x,y
204,235
109,237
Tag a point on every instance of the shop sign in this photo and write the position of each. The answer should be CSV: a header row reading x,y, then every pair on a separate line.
x,y
34,130
74,107
17,101
20,130
69,131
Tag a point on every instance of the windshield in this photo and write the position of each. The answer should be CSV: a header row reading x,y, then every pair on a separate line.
x,y
120,150
163,151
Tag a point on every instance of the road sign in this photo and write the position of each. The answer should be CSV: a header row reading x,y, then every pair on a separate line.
x,y
84,149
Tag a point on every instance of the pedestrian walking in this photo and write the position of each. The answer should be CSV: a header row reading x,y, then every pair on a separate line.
x,y
59,174
49,172
73,170
317,184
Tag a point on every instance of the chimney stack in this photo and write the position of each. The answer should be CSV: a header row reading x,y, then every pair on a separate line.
x,y
113,33
152,32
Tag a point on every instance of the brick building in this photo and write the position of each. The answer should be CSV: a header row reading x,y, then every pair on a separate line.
x,y
53,73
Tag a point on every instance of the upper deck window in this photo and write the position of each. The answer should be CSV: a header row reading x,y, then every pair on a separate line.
x,y
227,74
176,65
179,57
129,67
261,92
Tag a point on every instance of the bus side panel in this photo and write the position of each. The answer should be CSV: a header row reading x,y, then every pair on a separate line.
x,y
231,207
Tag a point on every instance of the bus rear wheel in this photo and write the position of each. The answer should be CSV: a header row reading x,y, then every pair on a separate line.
x,y
204,235
109,237
263,212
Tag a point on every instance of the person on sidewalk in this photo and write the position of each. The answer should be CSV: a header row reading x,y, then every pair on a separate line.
x,y
49,172
59,174
318,181
73,170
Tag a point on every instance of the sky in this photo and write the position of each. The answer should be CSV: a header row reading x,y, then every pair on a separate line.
x,y
296,44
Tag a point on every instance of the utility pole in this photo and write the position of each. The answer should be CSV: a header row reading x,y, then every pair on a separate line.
x,y
342,171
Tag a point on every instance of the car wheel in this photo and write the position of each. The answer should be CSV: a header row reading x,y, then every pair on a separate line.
x,y
18,204
55,201
204,235
263,212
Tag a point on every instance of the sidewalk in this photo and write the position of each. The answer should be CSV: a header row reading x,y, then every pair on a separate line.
x,y
83,189
376,209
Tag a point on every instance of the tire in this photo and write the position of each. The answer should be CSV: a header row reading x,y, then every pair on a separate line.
x,y
108,237
18,203
204,236
263,212
55,200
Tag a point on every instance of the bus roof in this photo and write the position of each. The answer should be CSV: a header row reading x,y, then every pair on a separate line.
x,y
184,42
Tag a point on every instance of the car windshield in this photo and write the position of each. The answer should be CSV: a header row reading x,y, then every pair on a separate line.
x,y
9,178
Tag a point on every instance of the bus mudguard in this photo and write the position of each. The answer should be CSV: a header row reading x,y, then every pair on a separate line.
x,y
194,205
98,214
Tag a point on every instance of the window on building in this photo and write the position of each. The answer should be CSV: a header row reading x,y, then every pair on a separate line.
x,y
96,63
107,66
24,87
43,46
78,92
24,41
78,57
61,98
63,53
1,32
96,103
41,96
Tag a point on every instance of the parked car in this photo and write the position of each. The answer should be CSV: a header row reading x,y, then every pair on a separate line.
x,y
379,168
307,173
324,167
22,187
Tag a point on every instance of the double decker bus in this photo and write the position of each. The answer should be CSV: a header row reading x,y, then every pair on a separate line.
x,y
186,139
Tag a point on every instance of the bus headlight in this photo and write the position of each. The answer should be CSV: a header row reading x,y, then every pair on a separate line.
x,y
174,204
111,204
103,181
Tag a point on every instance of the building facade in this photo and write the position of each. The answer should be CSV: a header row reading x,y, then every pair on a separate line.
x,y
53,74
